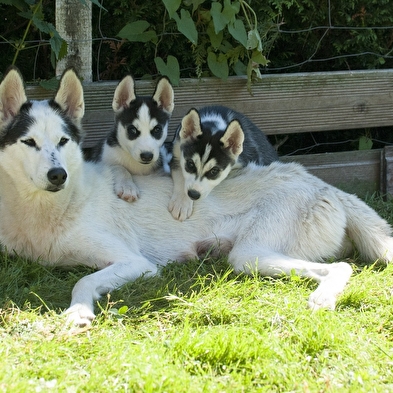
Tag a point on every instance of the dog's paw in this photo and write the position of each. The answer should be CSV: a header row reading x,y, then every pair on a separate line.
x,y
128,191
79,315
180,207
325,296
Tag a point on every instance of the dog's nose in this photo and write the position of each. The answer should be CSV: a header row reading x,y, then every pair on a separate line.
x,y
146,156
193,194
57,176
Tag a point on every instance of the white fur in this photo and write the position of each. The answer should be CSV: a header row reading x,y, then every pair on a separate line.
x,y
273,220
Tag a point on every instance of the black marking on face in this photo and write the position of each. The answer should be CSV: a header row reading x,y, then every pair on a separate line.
x,y
218,152
132,132
22,122
130,114
157,131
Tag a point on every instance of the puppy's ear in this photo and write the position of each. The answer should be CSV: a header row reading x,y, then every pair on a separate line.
x,y
12,96
124,94
233,138
190,126
164,95
70,96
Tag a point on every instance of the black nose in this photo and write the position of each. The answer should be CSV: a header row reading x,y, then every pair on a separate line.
x,y
57,176
194,195
146,156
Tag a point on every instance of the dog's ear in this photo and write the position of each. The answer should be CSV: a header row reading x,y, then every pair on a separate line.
x,y
12,96
164,95
190,125
233,138
124,94
70,96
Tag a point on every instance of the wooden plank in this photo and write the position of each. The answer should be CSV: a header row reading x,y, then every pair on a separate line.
x,y
387,171
279,104
356,172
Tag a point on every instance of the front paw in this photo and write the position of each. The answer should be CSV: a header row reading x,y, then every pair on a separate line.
x,y
79,315
180,207
127,190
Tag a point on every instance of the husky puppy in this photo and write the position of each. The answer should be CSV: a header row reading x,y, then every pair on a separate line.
x,y
135,144
208,145
57,208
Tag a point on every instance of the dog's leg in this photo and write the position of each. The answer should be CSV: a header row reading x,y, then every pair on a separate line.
x,y
92,287
332,277
125,188
180,204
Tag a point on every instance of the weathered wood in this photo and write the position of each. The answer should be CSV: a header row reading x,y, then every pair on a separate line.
x,y
279,104
387,171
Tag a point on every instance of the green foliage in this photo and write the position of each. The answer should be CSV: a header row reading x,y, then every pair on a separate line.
x,y
34,14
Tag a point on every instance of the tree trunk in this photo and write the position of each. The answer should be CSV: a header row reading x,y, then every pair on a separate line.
x,y
73,22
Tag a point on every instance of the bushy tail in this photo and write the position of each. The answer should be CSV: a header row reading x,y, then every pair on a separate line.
x,y
370,233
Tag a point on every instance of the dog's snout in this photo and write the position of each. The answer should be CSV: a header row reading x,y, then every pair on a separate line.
x,y
193,194
146,156
57,176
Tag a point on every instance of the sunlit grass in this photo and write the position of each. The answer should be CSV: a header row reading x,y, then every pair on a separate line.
x,y
197,327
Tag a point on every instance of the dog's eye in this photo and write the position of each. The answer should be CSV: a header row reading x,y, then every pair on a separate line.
x,y
190,166
156,132
132,132
63,141
29,142
213,173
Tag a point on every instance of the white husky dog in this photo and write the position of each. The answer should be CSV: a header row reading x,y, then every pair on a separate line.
x,y
59,209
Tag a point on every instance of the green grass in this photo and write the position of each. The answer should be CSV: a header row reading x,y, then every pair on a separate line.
x,y
197,327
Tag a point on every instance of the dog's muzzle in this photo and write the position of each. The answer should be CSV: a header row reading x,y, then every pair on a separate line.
x,y
57,178
193,194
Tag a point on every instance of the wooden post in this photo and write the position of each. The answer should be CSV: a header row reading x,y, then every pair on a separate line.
x,y
73,22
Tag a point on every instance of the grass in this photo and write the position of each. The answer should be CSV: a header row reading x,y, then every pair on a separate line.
x,y
197,327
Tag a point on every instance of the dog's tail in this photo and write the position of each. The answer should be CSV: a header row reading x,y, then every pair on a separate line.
x,y
370,233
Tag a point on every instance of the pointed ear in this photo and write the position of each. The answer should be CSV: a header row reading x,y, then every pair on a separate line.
x,y
190,125
164,95
124,94
70,96
233,138
12,96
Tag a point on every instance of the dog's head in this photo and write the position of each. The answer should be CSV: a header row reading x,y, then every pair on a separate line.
x,y
142,122
39,140
207,155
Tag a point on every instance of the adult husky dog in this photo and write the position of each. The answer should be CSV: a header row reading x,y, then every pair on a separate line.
x,y
60,209
208,145
135,144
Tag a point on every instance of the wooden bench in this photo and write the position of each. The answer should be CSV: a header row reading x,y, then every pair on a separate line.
x,y
282,104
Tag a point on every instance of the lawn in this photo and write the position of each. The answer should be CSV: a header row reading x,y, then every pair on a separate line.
x,y
197,327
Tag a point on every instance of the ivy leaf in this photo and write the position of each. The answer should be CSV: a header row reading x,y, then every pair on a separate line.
x,y
230,10
172,6
219,19
238,32
171,69
136,32
365,143
215,39
254,40
186,25
195,4
259,58
218,65
50,84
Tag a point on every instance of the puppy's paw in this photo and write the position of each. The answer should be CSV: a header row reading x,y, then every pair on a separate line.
x,y
79,315
127,190
180,207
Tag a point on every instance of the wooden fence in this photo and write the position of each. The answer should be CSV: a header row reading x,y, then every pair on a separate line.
x,y
282,104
